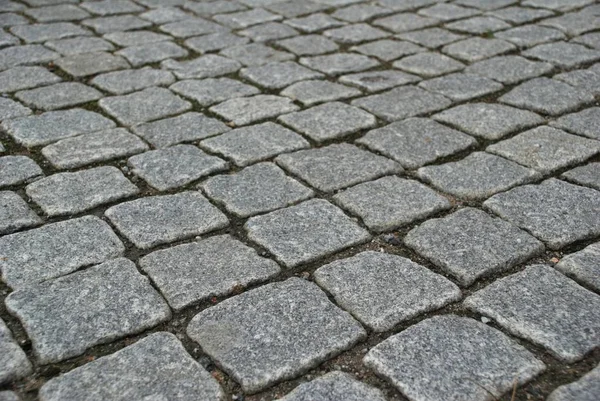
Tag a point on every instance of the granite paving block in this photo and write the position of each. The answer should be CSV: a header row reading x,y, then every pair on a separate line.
x,y
488,120
135,38
131,80
448,12
268,31
509,69
476,49
428,64
582,79
415,142
116,23
588,175
585,123
375,81
56,249
583,266
14,364
52,126
278,75
82,65
215,7
157,366
15,214
388,50
166,14
584,389
305,232
558,5
213,90
110,7
574,24
286,328
335,386
530,35
214,41
92,148
151,221
246,110
520,15
25,78
216,266
470,244
555,211
7,39
546,149
59,95
359,12
293,9
67,315
24,55
382,290
405,22
17,170
478,25
72,193
12,19
243,19
487,4
314,22
174,167
206,66
311,92
37,33
355,33
60,12
255,54
461,87
545,307
391,202
152,53
562,54
339,63
308,45
79,45
431,37
430,360
10,109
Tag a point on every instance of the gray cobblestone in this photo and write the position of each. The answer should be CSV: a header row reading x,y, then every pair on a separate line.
x,y
135,38
308,45
25,78
152,52
191,27
86,64
116,23
476,49
530,35
583,266
25,55
355,33
341,63
335,386
10,109
405,22
268,31
17,170
15,364
123,82
215,41
214,7
584,389
110,7
478,25
79,45
447,12
59,95
244,19
37,33
431,37
588,175
202,67
585,80
509,69
388,50
585,123
311,92
314,22
15,213
278,75
256,54
243,111
378,80
562,54
461,87
574,23
210,91
428,64
521,15
359,12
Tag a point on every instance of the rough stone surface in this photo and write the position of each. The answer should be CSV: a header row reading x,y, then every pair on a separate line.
x,y
25,55
246,110
254,54
14,364
585,123
82,65
17,170
15,213
461,87
308,45
25,78
584,389
10,109
476,49
213,90
311,92
59,95
278,75
375,81
388,50
562,54
206,66
588,175
335,386
152,52
340,63
509,69
428,64
583,266
282,345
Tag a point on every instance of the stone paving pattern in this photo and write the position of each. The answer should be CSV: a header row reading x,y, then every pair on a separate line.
x,y
313,200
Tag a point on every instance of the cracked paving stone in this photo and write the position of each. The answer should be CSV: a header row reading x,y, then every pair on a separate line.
x,y
509,69
152,53
329,121
215,41
337,166
428,64
17,170
585,123
415,142
477,176
255,54
431,37
143,106
243,111
207,66
244,19
469,244
583,266
14,364
391,202
562,54
314,22
575,24
283,344
488,120
257,189
25,78
308,45
530,35
156,220
186,127
156,367
109,7
191,27
56,249
403,102
72,193
520,15
461,87
546,149
430,360
388,50
135,38
52,126
37,33
15,213
582,79
258,142
374,81
268,31
123,82
588,175
59,95
340,63
311,92
214,267
547,96
555,211
584,389
117,23
278,75
80,45
545,307
82,65
67,315
334,386
94,147
478,25
213,90
355,33
10,109
24,55
383,290
405,22
477,49
174,167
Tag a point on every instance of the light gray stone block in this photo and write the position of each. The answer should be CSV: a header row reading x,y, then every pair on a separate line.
x,y
520,15
461,87
191,27
584,265
206,66
25,78
339,63
17,170
335,386
359,12
308,45
38,33
79,45
214,41
355,33
213,90
122,82
585,389
243,111
314,22
135,38
530,35
478,25
476,49
588,175
429,64
562,54
82,65
24,55
110,7
10,109
447,12
311,92
59,95
14,364
15,213
152,53
268,31
509,69
243,19
116,23
278,75
61,12
585,123
255,54
430,37
388,50
404,22
375,81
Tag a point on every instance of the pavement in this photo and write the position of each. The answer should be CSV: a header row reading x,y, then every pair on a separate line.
x,y
316,200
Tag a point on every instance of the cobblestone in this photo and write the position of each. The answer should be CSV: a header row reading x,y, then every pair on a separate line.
x,y
243,111
462,87
585,175
17,170
335,386
584,389
59,95
123,82
15,213
428,64
81,65
311,92
10,109
509,69
278,75
15,364
25,78
388,50
585,123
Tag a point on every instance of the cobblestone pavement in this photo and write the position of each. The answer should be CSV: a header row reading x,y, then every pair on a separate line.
x,y
318,200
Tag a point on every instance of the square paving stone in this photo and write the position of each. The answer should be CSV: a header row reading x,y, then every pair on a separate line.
x,y
243,111
339,63
576,23
214,7
416,141
382,290
256,189
258,142
359,12
134,38
213,90
470,244
245,19
255,54
545,307
191,27
293,9
286,329
488,120
583,266
401,103
65,316
375,81
59,95
156,220
355,33
25,78
584,389
49,127
312,92
79,45
461,87
558,5
314,22
562,54
391,202
509,69
152,53
329,121
174,167
109,7
448,12
388,50
82,65
156,366
278,75
546,149
308,45
547,96
116,23
17,170
143,106
94,147
588,175
207,66
184,128
431,37
477,176
555,211
405,22
429,64
72,193
530,35
305,232
56,249
520,15
478,25
268,31
37,33
10,109
214,41
23,55
588,80
452,358
476,49
122,82
334,386
15,213
585,122
61,12
217,266
337,166
14,364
